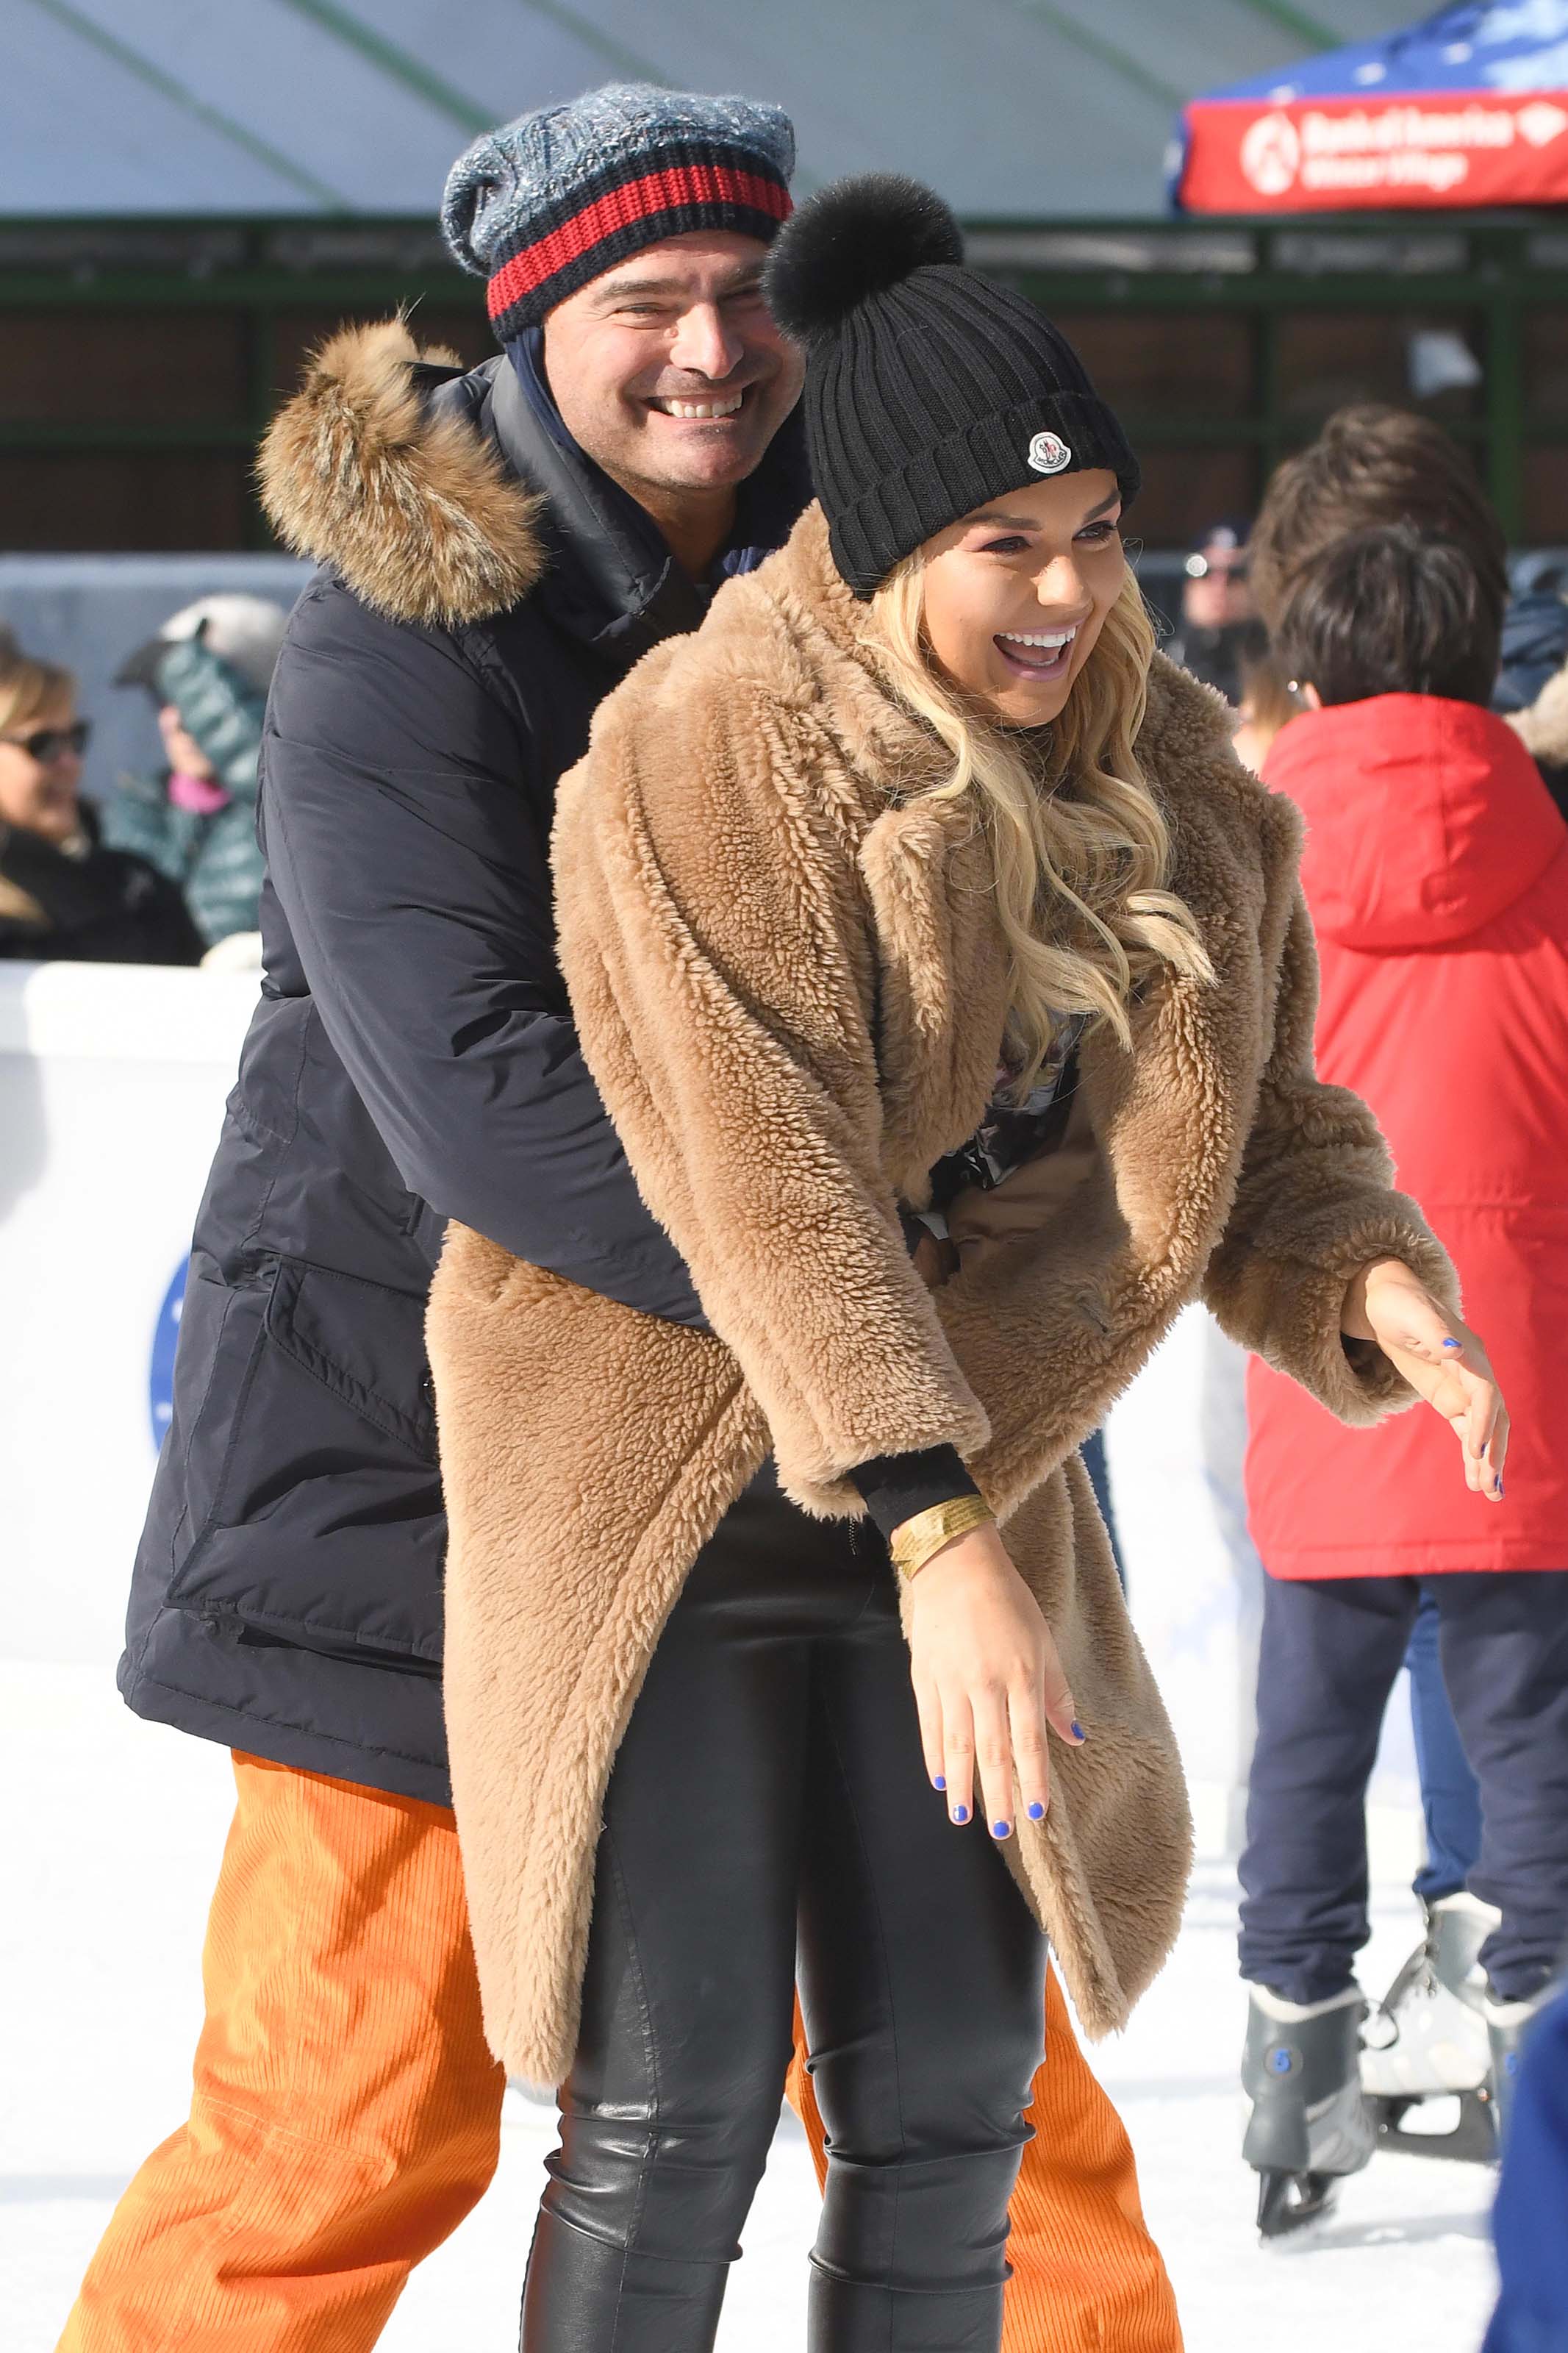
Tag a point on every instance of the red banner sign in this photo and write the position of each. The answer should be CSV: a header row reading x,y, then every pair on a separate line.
x,y
1334,155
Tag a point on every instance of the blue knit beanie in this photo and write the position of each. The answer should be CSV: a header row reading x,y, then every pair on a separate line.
x,y
560,195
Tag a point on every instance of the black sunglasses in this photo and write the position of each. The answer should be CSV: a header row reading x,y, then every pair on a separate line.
x,y
48,745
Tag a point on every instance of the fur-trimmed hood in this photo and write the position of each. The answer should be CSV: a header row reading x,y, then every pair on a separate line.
x,y
417,510
788,981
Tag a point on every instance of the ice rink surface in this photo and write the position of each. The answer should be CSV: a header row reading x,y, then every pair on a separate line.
x,y
115,1832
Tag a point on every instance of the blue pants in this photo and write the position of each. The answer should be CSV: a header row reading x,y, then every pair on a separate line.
x,y
1532,2198
1330,1650
1450,1794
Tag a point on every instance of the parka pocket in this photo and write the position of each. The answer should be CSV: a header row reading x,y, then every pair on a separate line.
x,y
362,1341
315,1494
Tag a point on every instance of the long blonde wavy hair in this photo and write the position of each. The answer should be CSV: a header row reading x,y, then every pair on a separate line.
x,y
1079,848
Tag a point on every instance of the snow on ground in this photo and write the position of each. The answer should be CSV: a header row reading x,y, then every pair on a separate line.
x,y
117,1827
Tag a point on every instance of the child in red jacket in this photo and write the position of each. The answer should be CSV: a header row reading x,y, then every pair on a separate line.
x,y
1436,874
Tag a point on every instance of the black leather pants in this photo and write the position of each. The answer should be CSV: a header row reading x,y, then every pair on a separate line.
x,y
769,1800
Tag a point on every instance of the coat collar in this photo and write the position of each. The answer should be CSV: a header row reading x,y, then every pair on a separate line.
x,y
610,578
796,632
417,511
51,886
793,636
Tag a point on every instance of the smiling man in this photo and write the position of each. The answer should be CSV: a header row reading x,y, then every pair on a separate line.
x,y
670,372
497,548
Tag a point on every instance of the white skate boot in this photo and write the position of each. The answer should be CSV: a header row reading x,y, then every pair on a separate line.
x,y
1427,2058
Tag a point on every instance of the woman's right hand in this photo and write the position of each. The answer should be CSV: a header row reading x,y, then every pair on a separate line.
x,y
987,1682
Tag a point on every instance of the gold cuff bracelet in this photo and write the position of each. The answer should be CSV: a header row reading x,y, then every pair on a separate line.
x,y
913,1541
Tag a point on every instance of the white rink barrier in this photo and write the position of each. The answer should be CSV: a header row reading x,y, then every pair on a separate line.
x,y
112,1082
1175,1443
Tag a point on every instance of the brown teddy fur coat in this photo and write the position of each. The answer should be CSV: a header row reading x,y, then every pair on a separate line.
x,y
790,985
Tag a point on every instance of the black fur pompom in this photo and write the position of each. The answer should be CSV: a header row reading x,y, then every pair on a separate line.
x,y
855,239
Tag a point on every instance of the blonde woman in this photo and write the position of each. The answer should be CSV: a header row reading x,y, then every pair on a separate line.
x,y
914,883
62,893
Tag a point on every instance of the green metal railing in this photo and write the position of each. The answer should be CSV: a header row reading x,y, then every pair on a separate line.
x,y
1491,271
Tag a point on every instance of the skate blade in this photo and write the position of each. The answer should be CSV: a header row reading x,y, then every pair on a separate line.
x,y
1473,2140
1286,2200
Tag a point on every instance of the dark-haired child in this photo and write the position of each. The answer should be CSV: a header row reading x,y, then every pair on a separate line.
x,y
1436,872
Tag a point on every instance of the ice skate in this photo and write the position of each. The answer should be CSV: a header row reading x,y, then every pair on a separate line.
x,y
1308,2125
1427,2059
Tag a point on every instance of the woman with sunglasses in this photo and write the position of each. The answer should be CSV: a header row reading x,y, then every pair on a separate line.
x,y
62,893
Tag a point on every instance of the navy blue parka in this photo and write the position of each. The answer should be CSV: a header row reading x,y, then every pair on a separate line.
x,y
411,1059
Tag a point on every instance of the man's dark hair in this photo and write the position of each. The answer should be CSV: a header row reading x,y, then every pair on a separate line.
x,y
1372,465
1391,612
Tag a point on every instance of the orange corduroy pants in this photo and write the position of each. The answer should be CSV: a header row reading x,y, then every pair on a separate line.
x,y
346,2113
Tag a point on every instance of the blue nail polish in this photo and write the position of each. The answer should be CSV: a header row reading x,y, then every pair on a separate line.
x,y
940,1782
1035,1810
1000,1830
1451,1343
960,1813
1078,1731
1500,1486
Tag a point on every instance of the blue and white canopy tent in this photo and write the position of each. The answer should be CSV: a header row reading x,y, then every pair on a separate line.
x,y
1468,107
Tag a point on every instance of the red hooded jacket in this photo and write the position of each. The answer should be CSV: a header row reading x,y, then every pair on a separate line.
x,y
1437,872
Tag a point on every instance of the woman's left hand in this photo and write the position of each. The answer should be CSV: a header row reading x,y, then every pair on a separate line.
x,y
1440,1358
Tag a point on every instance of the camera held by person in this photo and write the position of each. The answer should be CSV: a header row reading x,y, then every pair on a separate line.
x,y
1219,630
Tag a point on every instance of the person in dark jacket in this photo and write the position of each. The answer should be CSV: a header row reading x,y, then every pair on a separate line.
x,y
1219,631
1534,638
207,671
63,894
1532,690
498,549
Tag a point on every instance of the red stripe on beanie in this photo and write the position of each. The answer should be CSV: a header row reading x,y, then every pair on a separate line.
x,y
657,192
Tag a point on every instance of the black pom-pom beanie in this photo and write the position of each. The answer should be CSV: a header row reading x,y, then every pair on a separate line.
x,y
929,389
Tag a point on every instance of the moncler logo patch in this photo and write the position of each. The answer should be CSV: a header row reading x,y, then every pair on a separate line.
x,y
1048,454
